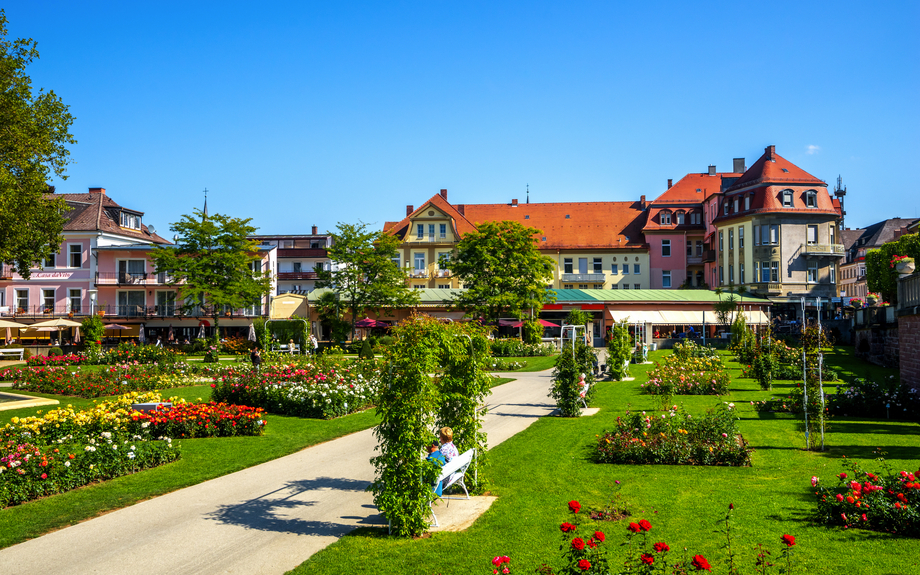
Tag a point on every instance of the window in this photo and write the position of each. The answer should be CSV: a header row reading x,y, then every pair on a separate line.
x,y
747,203
832,234
50,260
813,272
567,286
787,199
765,272
419,259
811,199
131,271
721,275
418,286
625,269
567,266
774,271
694,217
741,273
598,286
699,248
721,241
598,266
725,208
421,231
625,286
689,248
431,232
166,302
74,299
582,265
22,299
774,234
131,221
636,269
315,245
665,249
756,235
666,278
636,286
443,260
680,218
614,286
131,303
665,218
613,269
297,267
735,205
812,235
443,286
832,270
395,260
443,233
731,275
741,238
582,286
731,239
76,255
48,299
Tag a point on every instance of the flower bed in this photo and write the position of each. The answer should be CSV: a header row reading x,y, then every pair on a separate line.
x,y
513,347
868,501
201,420
114,380
864,398
306,390
687,376
56,360
675,438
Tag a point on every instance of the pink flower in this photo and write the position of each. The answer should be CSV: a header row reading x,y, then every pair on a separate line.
x,y
814,481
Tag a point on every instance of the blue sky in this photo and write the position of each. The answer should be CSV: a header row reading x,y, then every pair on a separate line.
x,y
307,113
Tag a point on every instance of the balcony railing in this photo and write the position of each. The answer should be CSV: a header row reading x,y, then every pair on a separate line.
x,y
770,288
833,250
302,253
418,274
442,273
909,291
709,256
694,260
428,238
583,277
41,312
297,275
132,279
6,272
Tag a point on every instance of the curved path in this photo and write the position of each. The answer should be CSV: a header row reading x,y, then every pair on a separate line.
x,y
266,519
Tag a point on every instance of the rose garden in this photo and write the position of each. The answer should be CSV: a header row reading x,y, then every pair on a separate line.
x,y
698,461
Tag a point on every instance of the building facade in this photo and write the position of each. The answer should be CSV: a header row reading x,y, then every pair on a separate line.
x,y
298,257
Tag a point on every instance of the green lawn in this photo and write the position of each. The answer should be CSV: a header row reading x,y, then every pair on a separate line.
x,y
539,363
537,471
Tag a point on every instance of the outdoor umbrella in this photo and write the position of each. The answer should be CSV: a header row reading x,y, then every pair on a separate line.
x,y
11,324
543,322
171,336
60,322
140,334
76,335
115,326
201,331
367,322
252,332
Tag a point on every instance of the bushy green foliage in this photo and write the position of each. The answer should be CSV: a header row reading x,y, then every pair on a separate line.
x,y
93,330
570,365
263,336
619,348
366,351
676,439
577,317
880,276
532,331
883,399
690,349
55,352
513,347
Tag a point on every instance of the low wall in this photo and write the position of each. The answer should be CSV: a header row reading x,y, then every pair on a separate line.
x,y
878,344
909,334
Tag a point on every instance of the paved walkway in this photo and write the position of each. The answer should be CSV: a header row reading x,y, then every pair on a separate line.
x,y
266,519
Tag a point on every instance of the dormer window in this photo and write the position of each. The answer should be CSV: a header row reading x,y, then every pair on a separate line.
x,y
665,218
747,202
680,218
787,198
811,199
736,203
130,221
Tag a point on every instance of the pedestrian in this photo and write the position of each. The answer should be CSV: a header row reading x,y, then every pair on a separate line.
x,y
256,358
313,343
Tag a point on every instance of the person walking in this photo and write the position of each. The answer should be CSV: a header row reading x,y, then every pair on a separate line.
x,y
256,357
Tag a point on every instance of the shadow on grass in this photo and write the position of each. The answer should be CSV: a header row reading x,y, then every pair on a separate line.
x,y
283,510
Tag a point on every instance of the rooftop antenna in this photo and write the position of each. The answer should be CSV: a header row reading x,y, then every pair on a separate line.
x,y
528,193
840,192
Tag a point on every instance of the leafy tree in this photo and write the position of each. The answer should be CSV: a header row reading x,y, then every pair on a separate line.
x,y
725,308
880,276
213,264
327,307
503,271
364,275
36,133
619,350
570,364
93,332
533,331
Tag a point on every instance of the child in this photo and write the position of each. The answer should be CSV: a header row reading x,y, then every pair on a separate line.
x,y
434,454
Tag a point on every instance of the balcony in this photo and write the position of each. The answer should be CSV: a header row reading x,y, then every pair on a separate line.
x,y
823,250
302,253
419,274
442,273
6,272
297,275
587,278
767,288
132,279
709,256
430,238
695,260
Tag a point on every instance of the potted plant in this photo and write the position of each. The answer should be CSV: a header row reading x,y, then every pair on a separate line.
x,y
856,303
903,264
872,299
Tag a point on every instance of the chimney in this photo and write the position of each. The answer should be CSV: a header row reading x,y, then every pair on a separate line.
x,y
670,183
712,170
514,203
642,201
409,210
97,191
771,153
314,230
462,209
738,166
444,194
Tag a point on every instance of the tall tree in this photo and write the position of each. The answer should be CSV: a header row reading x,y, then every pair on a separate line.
x,y
363,273
35,135
503,271
214,265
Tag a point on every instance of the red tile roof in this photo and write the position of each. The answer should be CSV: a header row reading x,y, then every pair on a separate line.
x,y
685,190
565,225
96,212
773,168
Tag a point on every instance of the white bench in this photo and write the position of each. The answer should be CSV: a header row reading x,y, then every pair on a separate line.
x,y
452,474
12,351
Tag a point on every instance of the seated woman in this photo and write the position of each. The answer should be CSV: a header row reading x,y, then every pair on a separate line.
x,y
434,454
448,449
